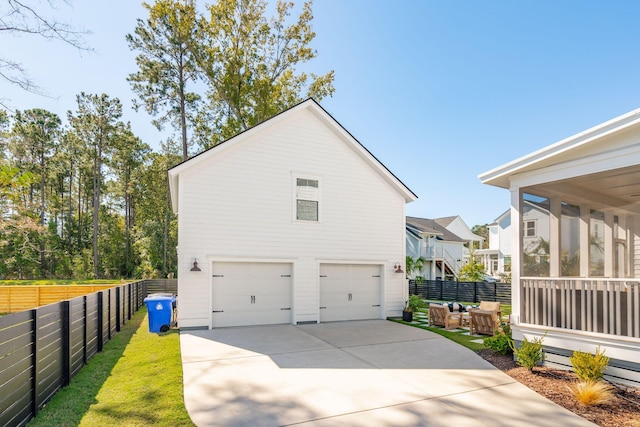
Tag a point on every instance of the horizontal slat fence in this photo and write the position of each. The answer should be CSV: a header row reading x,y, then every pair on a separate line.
x,y
451,290
43,348
20,298
165,286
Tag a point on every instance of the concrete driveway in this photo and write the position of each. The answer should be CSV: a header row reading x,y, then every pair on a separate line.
x,y
364,373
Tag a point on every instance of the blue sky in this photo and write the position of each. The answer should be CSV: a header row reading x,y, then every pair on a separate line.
x,y
439,91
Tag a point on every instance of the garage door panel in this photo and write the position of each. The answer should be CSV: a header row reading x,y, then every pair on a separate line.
x,y
251,293
350,292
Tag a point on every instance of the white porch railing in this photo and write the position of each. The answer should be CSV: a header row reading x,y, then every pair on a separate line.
x,y
609,306
439,253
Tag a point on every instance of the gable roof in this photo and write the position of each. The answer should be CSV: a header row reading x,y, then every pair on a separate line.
x,y
430,226
445,221
311,105
562,151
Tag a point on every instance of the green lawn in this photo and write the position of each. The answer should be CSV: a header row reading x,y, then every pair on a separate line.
x,y
135,381
47,282
460,336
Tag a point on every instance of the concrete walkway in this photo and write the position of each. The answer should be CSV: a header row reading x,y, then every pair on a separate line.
x,y
365,373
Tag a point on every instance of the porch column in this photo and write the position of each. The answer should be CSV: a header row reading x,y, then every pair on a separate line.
x,y
608,244
585,241
516,253
555,211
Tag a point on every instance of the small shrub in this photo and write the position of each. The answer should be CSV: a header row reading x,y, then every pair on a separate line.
x,y
414,303
530,353
501,342
591,393
589,367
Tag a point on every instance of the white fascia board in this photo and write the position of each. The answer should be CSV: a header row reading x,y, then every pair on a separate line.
x,y
500,176
585,166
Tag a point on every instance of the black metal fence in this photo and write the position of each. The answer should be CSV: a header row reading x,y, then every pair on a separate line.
x,y
451,290
42,349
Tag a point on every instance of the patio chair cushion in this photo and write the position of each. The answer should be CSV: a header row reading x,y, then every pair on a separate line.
x,y
456,307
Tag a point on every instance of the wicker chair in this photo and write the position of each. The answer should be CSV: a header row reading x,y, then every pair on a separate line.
x,y
486,319
439,315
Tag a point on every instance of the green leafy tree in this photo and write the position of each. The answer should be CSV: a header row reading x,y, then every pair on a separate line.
x,y
249,64
482,231
96,123
34,139
129,155
165,65
472,271
414,265
156,224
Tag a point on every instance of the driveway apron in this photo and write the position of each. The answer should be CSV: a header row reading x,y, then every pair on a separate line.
x,y
361,373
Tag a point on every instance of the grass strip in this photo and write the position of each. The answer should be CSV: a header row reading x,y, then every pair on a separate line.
x,y
135,381
461,337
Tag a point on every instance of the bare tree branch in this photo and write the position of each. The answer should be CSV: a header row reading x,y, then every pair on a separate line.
x,y
19,17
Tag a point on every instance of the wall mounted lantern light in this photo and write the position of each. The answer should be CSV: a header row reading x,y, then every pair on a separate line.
x,y
195,266
398,267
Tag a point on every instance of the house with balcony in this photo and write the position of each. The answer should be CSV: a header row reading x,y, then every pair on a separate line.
x,y
496,258
575,244
442,242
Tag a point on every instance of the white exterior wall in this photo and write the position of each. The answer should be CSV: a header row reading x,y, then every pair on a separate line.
x,y
240,205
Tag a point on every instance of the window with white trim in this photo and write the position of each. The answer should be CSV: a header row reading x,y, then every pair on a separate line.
x,y
307,199
530,229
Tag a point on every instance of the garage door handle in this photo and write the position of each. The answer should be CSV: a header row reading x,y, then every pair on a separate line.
x,y
375,305
350,297
323,275
288,308
285,275
218,275
376,275
322,308
218,311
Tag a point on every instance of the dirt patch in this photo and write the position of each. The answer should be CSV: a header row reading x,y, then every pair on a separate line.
x,y
622,411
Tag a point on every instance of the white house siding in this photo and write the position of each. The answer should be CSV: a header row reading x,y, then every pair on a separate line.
x,y
239,206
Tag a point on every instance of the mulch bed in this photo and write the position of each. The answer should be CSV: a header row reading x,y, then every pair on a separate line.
x,y
622,410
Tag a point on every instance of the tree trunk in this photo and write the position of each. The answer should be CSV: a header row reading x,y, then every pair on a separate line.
x,y
183,118
96,210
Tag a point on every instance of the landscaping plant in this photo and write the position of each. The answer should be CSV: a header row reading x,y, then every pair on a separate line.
x,y
414,303
501,342
589,367
530,353
591,393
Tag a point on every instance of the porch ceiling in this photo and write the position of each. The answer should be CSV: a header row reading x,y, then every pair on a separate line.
x,y
618,188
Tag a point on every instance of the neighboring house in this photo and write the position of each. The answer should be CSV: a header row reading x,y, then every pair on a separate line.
x,y
442,242
290,221
576,251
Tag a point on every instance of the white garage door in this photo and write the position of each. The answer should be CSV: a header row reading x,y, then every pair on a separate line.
x,y
251,293
350,292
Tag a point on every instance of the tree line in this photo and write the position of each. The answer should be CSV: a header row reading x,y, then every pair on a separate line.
x,y
85,200
88,198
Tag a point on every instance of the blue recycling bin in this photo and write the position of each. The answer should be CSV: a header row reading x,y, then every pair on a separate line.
x,y
160,311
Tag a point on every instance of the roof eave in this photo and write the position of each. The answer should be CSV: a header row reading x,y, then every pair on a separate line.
x,y
499,176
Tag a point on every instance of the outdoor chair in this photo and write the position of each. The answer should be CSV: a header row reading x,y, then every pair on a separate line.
x,y
439,315
485,319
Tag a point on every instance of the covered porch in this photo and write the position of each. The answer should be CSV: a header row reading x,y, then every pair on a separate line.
x,y
575,209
